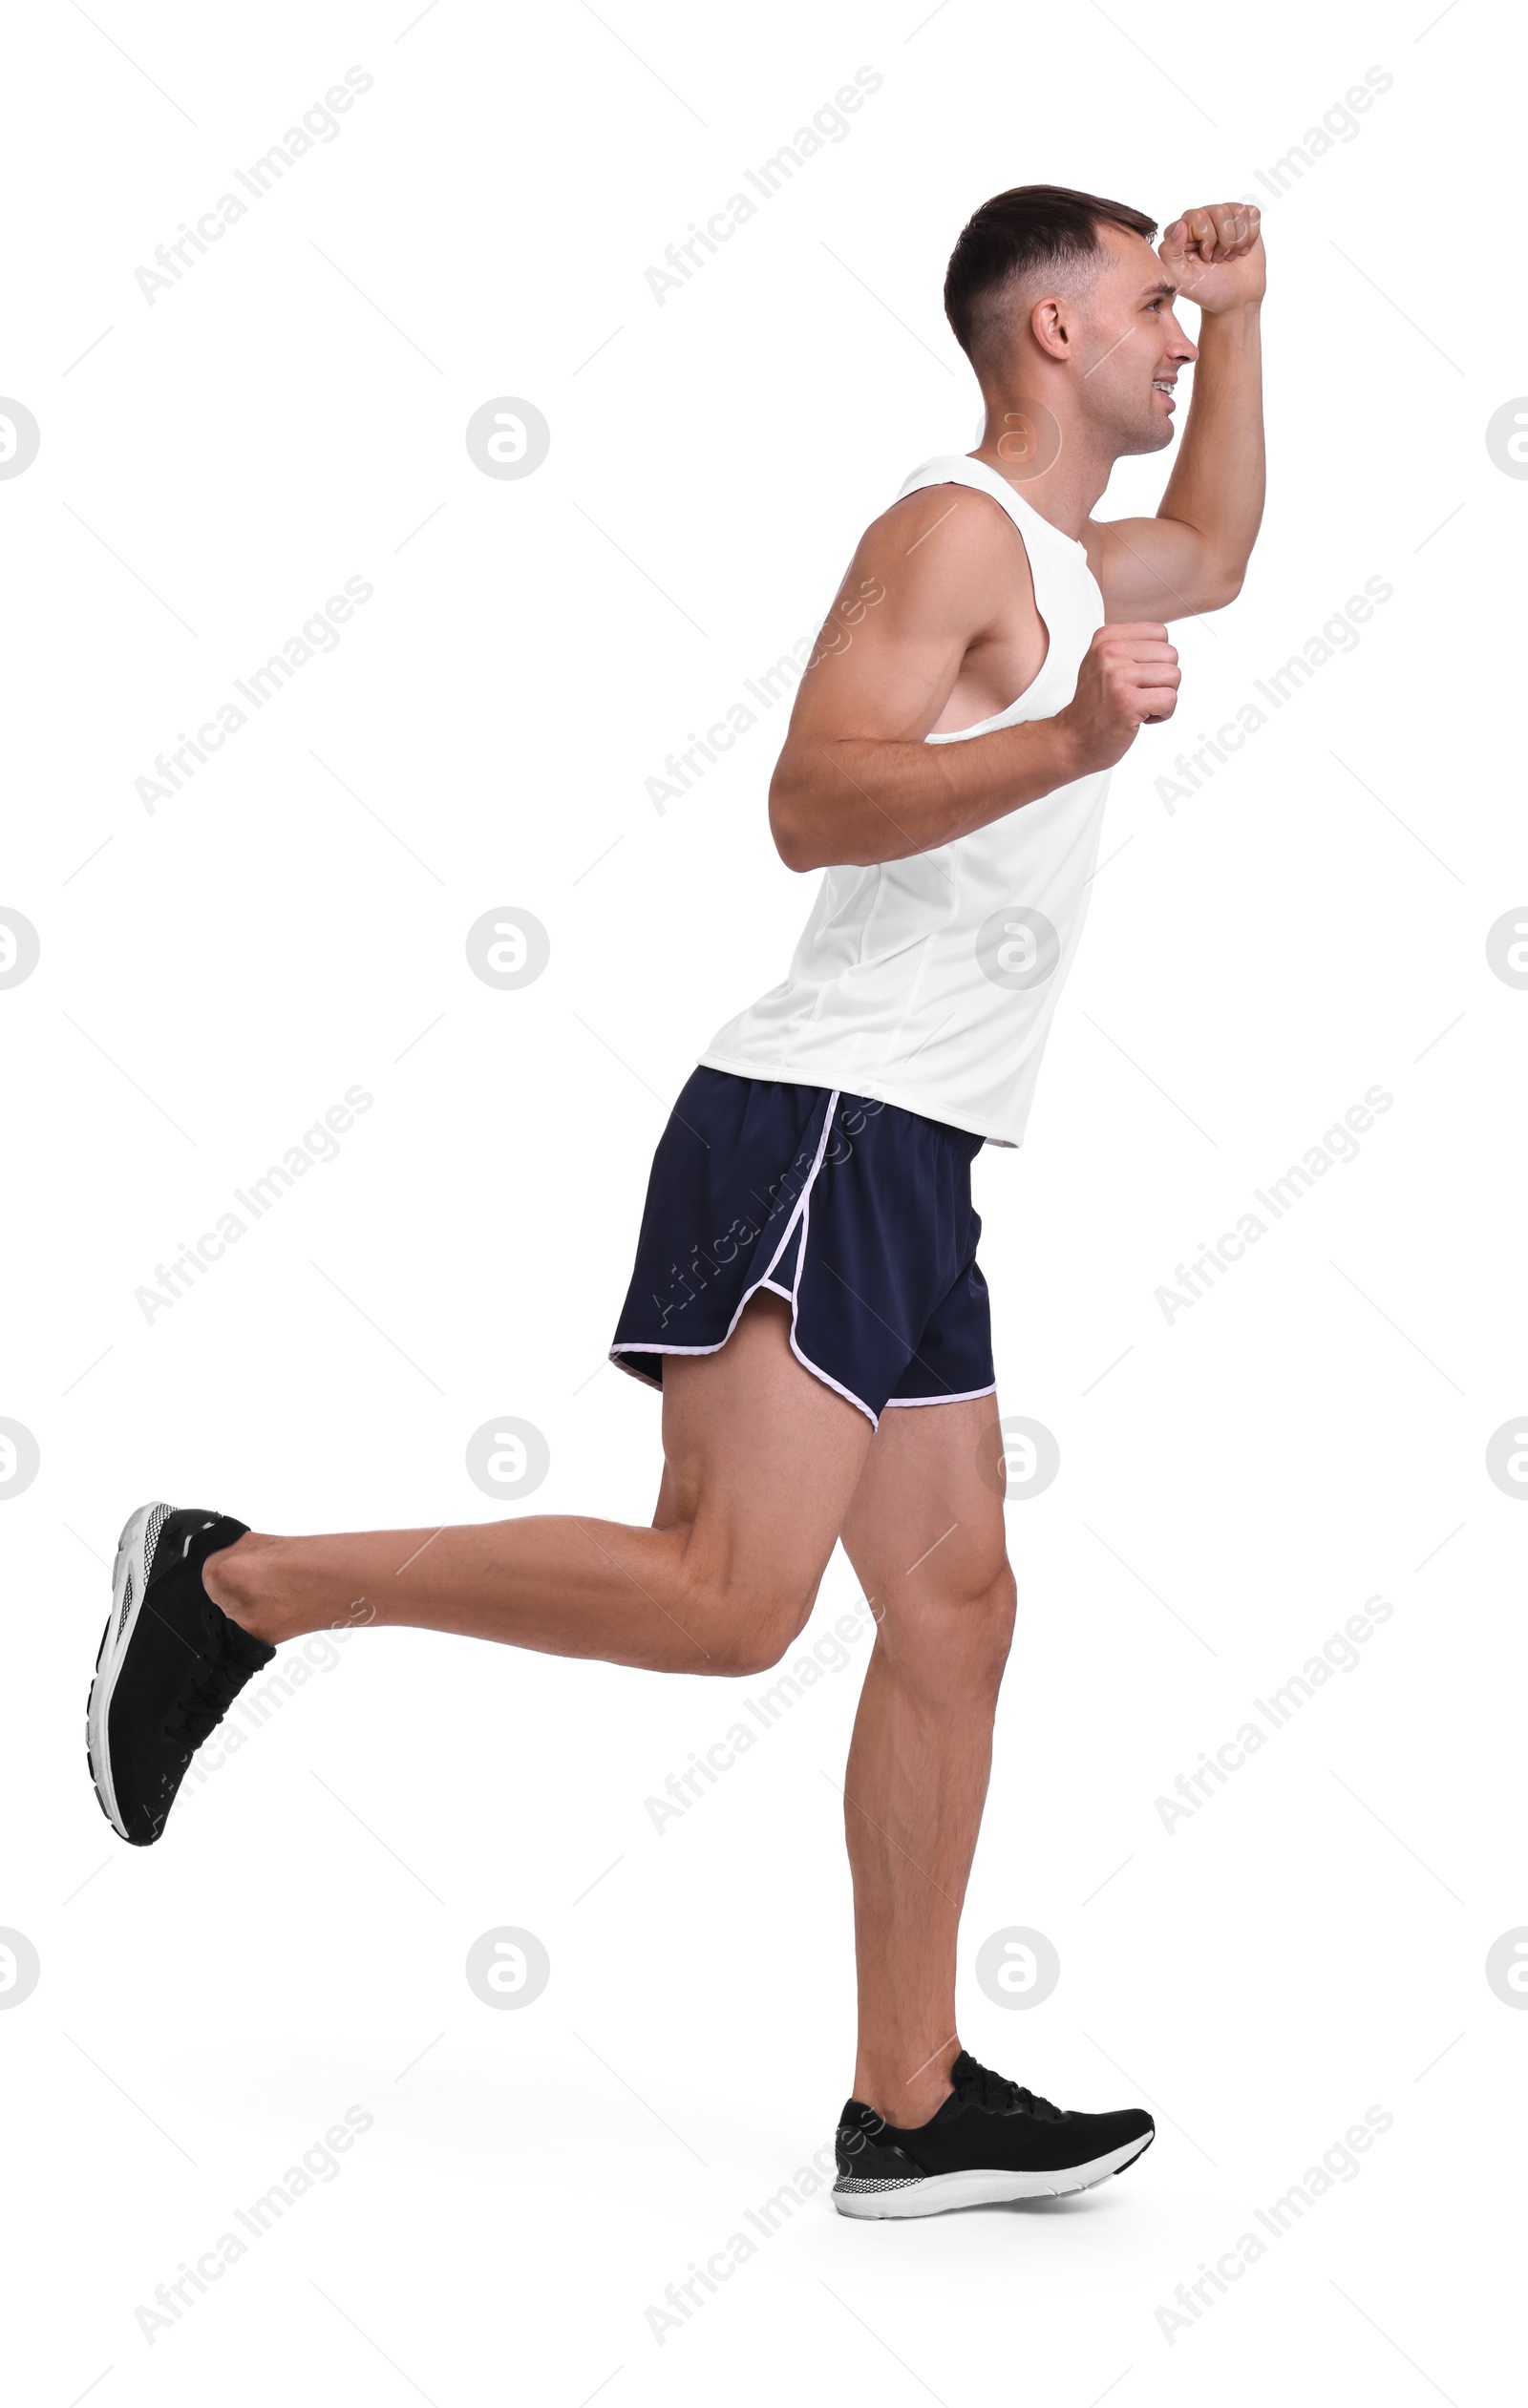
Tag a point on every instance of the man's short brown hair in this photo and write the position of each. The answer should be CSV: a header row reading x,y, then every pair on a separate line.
x,y
1034,226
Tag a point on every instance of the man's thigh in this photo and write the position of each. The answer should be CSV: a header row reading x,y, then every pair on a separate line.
x,y
926,1521
760,1459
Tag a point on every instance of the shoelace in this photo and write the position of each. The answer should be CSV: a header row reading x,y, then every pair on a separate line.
x,y
994,2090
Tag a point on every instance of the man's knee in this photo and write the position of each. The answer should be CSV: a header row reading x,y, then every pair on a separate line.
x,y
745,1620
999,1610
754,1638
983,1621
958,1638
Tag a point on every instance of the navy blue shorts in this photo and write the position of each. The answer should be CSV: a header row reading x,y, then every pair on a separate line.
x,y
856,1212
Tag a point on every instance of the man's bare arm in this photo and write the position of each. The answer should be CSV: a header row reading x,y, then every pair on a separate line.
x,y
1193,554
930,592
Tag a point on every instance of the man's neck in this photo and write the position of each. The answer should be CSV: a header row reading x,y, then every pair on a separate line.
x,y
1064,495
1042,446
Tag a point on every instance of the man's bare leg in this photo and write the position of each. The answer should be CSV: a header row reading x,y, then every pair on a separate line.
x,y
925,1536
760,1461
763,1465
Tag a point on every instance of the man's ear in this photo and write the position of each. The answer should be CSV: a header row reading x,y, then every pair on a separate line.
x,y
1051,328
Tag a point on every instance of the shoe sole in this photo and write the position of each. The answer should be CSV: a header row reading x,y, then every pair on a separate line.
x,y
936,2195
128,1568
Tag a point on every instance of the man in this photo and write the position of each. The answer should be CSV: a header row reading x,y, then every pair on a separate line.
x,y
807,1262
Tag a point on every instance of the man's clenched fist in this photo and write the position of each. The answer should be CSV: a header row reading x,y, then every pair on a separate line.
x,y
1215,255
1129,678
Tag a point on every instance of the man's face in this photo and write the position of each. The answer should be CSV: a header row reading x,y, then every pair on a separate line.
x,y
1132,346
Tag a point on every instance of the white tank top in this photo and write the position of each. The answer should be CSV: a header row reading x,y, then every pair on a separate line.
x,y
931,983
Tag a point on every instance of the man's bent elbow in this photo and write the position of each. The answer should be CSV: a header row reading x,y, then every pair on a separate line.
x,y
1222,586
789,825
790,844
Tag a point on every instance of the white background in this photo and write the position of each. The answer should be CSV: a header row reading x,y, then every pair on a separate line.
x,y
1233,1484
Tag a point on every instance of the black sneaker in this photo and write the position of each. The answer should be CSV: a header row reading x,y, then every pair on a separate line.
x,y
990,2140
170,1666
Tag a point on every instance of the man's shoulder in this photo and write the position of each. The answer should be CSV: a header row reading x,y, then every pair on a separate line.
x,y
939,533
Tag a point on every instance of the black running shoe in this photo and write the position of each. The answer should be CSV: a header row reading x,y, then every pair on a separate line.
x,y
171,1664
990,2140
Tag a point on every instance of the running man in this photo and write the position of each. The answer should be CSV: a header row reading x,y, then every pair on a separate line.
x,y
806,1294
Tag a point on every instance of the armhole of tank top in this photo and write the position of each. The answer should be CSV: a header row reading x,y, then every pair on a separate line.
x,y
1022,516
1046,615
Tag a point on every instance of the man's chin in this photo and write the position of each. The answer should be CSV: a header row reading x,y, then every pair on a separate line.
x,y
1155,436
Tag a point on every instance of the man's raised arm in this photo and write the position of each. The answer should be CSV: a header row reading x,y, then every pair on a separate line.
x,y
1193,554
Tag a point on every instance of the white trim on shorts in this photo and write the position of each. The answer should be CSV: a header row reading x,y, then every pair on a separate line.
x,y
800,1212
965,1396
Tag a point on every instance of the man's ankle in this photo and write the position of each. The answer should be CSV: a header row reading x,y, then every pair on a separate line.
x,y
236,1581
903,2102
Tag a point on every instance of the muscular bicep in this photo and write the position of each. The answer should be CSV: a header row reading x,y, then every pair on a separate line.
x,y
1150,568
924,587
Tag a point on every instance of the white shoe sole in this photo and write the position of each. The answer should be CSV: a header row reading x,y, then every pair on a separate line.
x,y
129,1580
935,2194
